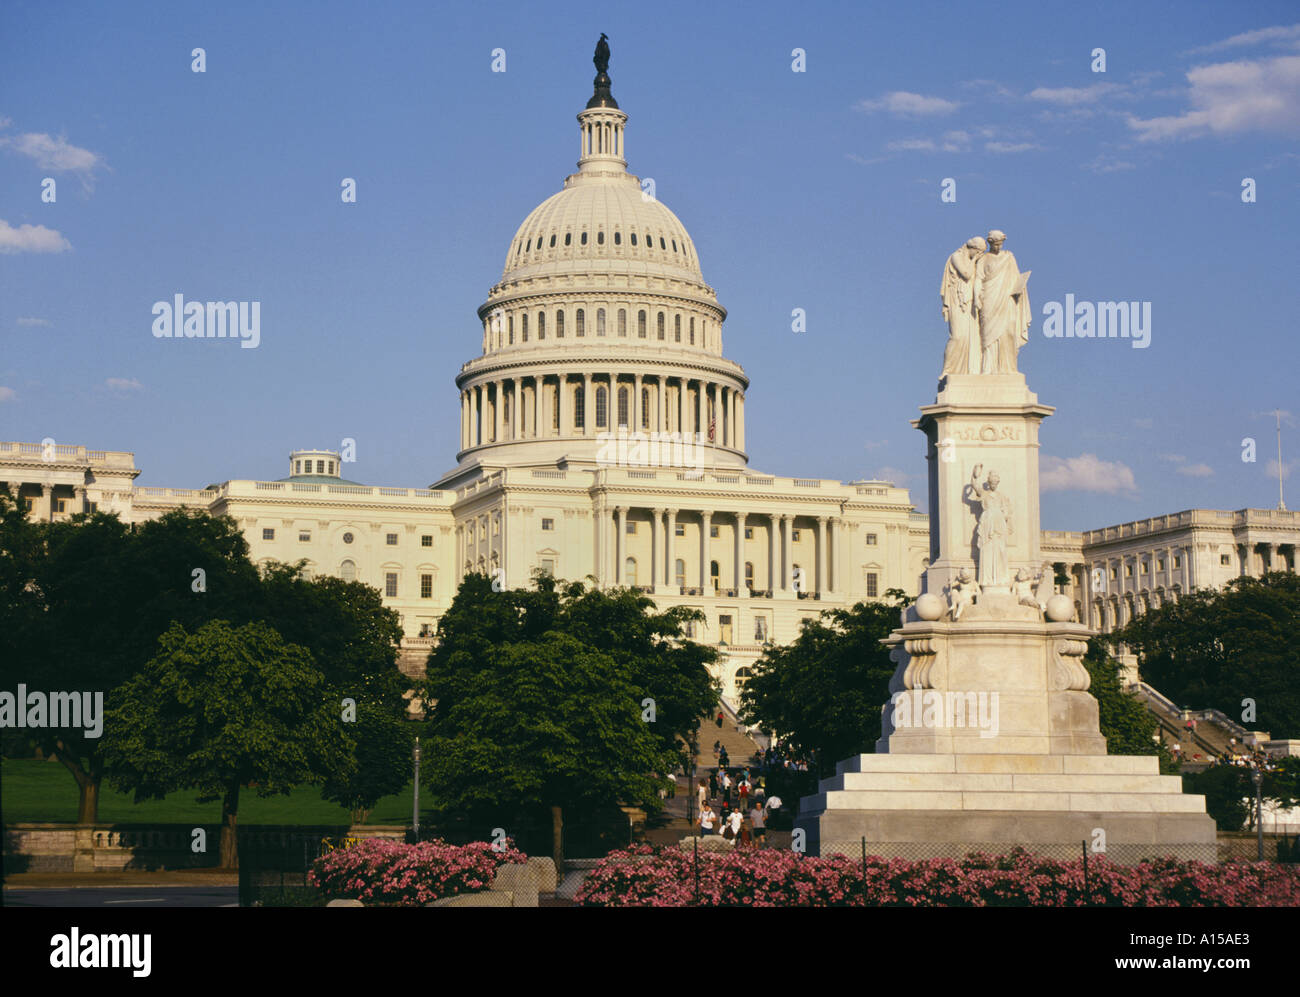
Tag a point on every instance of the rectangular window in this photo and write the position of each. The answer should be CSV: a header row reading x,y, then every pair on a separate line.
x,y
579,407
426,586
548,524
1128,571
92,507
871,540
1145,567
713,531
268,534
622,321
760,628
724,628
1160,564
60,505
1114,572
548,566
27,503
873,584
749,533
426,539
795,536
1225,560
390,584
688,628
679,529
391,540
631,526
1178,563
304,536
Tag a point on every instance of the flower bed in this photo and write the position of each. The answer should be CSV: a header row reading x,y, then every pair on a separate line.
x,y
642,876
391,873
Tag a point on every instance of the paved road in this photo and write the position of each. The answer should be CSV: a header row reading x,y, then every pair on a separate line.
x,y
126,896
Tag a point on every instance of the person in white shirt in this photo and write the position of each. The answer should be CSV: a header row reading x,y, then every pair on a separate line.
x,y
706,819
736,819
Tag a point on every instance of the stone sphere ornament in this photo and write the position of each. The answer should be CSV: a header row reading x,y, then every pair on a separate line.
x,y
930,607
1060,608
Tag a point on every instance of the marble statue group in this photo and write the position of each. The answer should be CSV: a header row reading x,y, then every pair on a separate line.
x,y
986,306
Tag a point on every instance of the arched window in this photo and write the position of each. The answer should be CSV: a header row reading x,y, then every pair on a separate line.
x,y
622,406
523,326
677,328
660,326
600,321
568,238
529,247
510,326
602,410
580,323
629,571
661,243
559,325
680,571
579,408
618,238
622,321
692,332
743,675
600,238
633,238
541,325
583,239
645,408
640,324
713,575
348,571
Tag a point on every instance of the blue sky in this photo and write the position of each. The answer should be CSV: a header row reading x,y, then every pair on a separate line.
x,y
817,190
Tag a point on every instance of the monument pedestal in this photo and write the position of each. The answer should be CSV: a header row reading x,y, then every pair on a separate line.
x,y
991,739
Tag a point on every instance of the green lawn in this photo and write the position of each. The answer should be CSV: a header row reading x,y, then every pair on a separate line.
x,y
32,790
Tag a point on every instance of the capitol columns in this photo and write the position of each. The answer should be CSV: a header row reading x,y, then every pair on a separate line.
x,y
731,418
773,572
787,543
561,391
836,542
821,555
670,545
740,554
516,419
683,393
637,416
498,420
656,548
740,429
705,527
588,409
661,410
620,532
473,417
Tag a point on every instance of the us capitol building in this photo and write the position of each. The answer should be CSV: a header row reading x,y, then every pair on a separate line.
x,y
602,434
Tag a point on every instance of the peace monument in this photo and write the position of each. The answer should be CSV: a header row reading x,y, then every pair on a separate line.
x,y
990,738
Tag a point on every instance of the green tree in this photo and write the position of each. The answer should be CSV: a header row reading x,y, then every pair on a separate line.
x,y
1220,649
377,765
219,710
1126,723
539,699
823,693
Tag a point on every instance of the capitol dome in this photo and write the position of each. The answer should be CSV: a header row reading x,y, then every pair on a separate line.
x,y
600,324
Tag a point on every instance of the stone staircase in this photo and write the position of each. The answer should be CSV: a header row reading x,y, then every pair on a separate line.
x,y
741,748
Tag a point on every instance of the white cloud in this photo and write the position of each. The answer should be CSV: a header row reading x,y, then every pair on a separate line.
x,y
57,155
1196,470
1070,96
31,239
123,384
875,444
1086,473
1232,97
7,394
1108,164
1009,147
28,320
910,145
1280,35
906,103
1287,467
898,477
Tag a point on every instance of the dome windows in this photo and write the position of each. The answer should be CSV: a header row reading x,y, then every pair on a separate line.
x,y
618,238
600,321
659,326
600,238
580,323
633,238
559,325
677,328
674,245
541,325
523,323
649,241
583,238
622,322
568,238
661,243
692,332
602,407
552,241
640,324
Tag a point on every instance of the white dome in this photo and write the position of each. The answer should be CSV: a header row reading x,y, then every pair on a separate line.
x,y
602,223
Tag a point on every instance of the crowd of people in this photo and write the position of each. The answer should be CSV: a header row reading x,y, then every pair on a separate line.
x,y
743,806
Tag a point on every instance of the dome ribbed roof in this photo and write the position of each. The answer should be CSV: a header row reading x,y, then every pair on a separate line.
x,y
602,222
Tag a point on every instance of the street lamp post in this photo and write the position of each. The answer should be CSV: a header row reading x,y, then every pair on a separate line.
x,y
1258,778
415,806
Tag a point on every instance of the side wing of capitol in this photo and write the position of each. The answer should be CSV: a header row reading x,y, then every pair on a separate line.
x,y
602,435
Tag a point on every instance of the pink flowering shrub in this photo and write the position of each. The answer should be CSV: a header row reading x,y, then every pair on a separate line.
x,y
391,873
642,876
